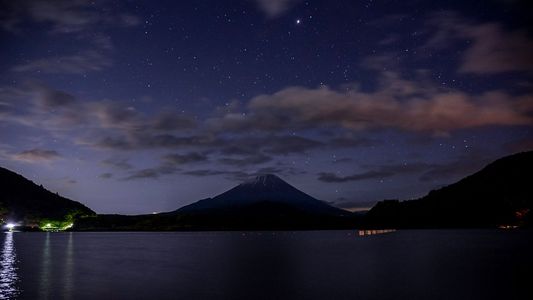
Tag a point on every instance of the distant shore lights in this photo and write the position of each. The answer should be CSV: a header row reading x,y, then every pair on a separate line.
x,y
374,232
11,226
56,226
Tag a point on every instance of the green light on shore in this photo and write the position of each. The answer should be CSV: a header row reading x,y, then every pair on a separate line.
x,y
56,226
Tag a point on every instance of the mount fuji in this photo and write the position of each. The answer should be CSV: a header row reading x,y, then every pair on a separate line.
x,y
264,190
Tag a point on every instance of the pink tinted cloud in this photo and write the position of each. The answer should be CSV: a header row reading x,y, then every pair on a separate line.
x,y
398,103
491,49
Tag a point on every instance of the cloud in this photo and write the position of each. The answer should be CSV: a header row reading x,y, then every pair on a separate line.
x,y
4,108
36,155
381,62
168,122
252,155
290,144
255,159
180,159
48,98
270,144
242,175
82,20
235,145
63,16
147,140
109,143
117,163
162,170
33,98
343,160
351,142
459,167
105,175
275,8
12,100
87,61
379,172
331,177
492,48
112,115
167,166
274,125
144,173
398,103
114,124
496,51
203,173
152,173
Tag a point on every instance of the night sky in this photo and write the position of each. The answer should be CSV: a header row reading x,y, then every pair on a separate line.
x,y
144,106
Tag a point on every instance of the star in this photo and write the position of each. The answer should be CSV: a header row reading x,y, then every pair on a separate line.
x,y
298,21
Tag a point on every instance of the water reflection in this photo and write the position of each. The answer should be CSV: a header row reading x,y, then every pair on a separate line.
x,y
375,231
44,283
8,272
68,270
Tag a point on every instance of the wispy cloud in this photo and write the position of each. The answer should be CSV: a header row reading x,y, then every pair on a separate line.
x,y
180,159
117,163
87,61
36,155
379,172
105,175
240,175
399,103
491,49
63,16
332,177
275,8
255,159
81,20
458,167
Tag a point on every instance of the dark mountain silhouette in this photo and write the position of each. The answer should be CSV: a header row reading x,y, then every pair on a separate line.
x,y
501,193
266,202
263,190
21,200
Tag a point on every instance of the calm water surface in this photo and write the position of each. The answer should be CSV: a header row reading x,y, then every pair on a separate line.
x,y
425,264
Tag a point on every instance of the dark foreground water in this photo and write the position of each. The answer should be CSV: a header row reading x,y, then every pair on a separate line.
x,y
425,264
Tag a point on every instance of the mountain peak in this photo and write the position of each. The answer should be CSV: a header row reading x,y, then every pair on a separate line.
x,y
265,180
266,189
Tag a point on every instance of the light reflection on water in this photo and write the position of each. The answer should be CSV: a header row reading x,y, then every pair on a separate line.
x,y
8,271
68,269
44,283
57,266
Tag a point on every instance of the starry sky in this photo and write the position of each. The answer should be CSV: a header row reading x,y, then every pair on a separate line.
x,y
144,106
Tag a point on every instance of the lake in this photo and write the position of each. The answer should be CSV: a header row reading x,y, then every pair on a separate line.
x,y
404,264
